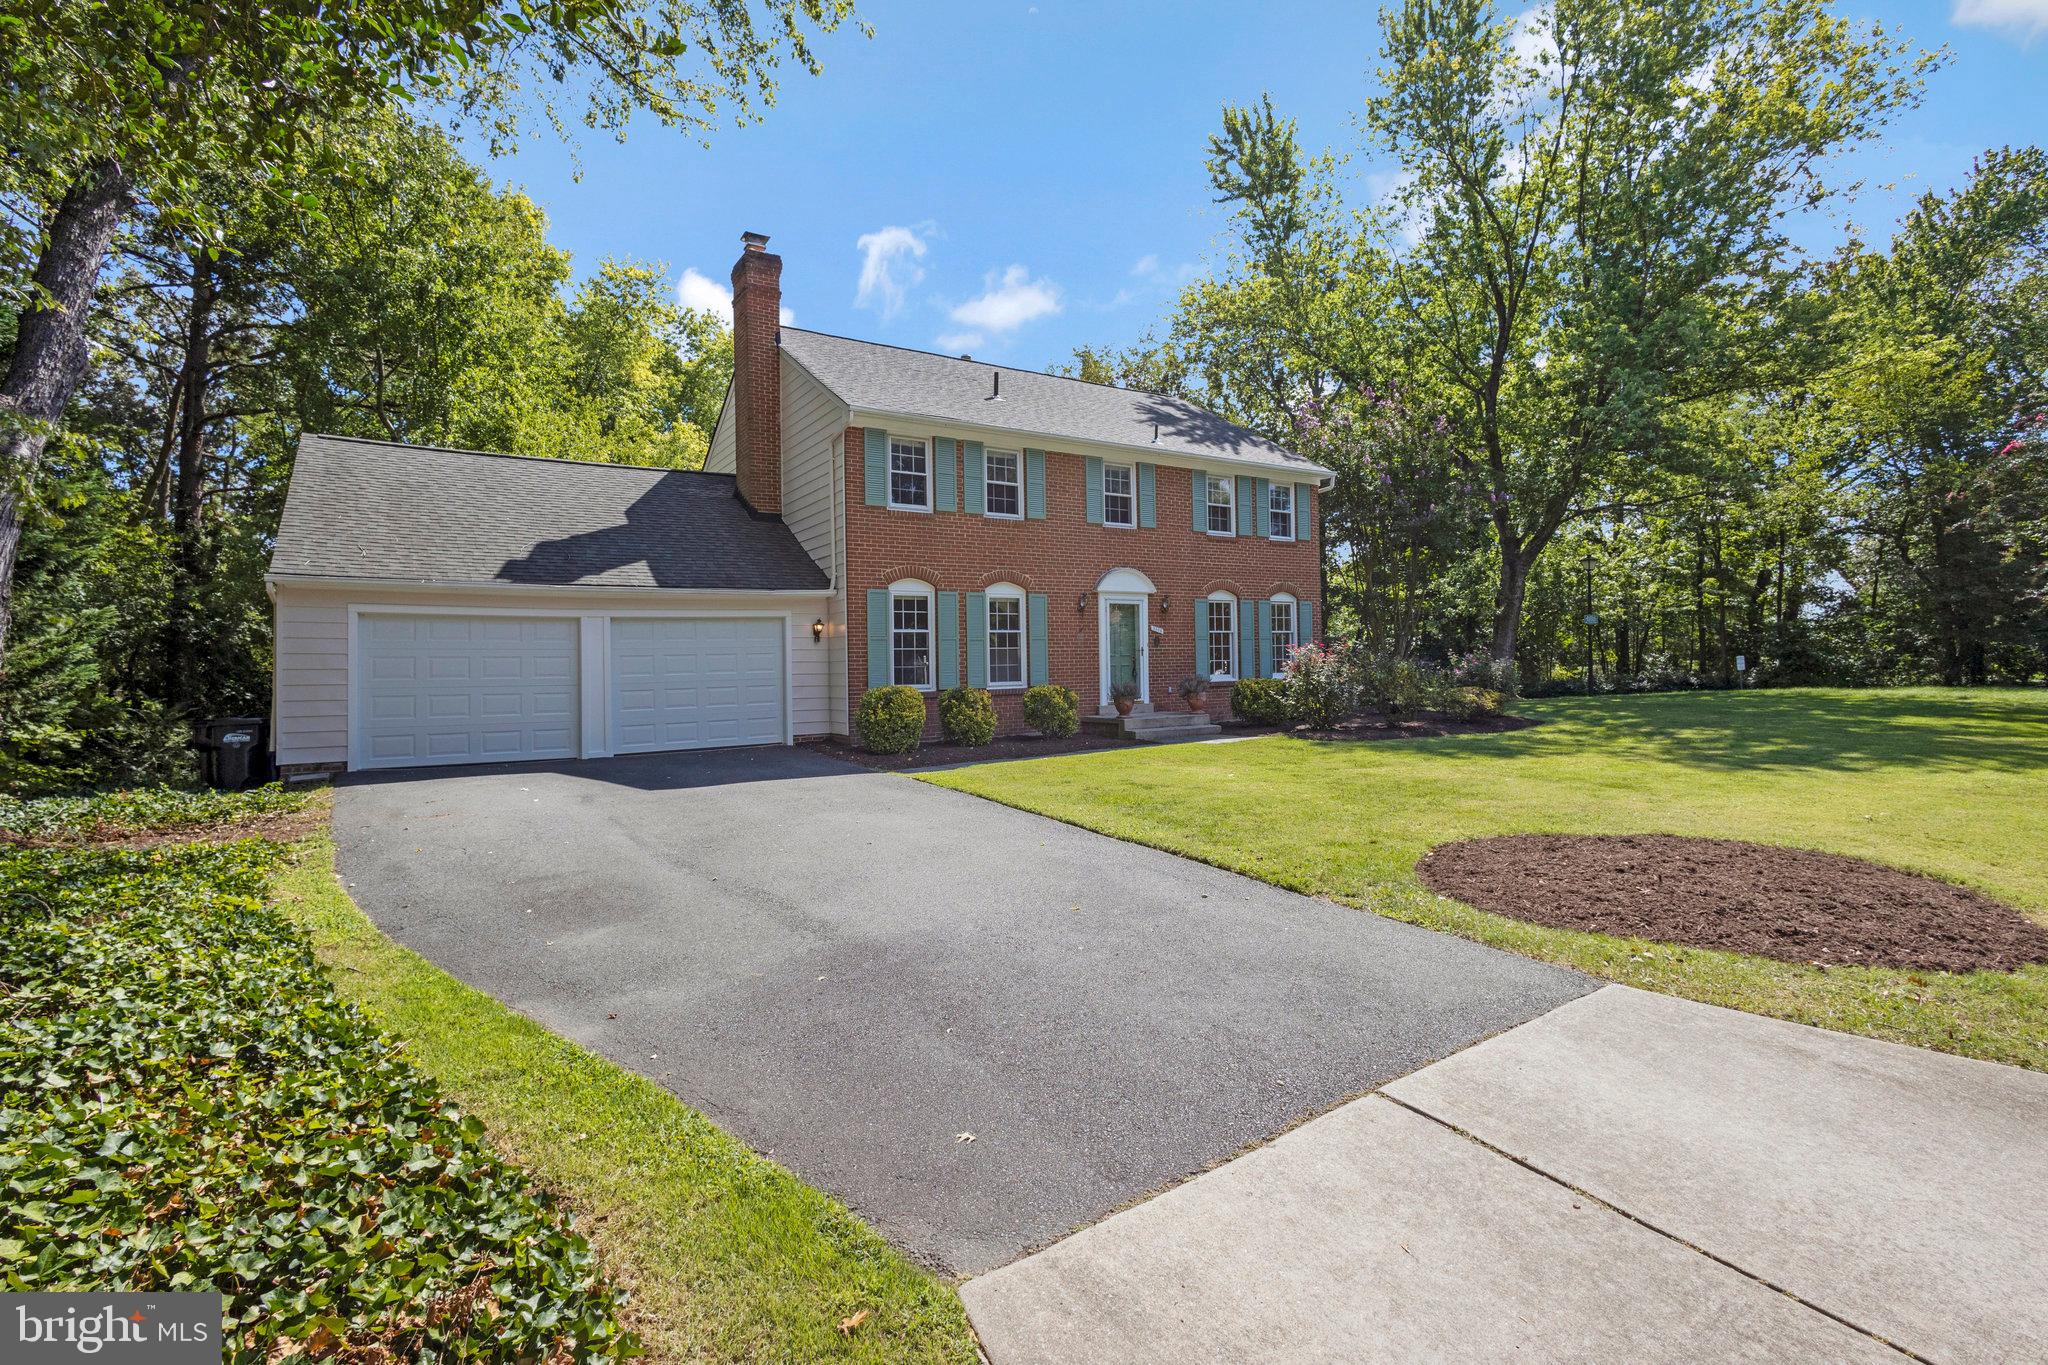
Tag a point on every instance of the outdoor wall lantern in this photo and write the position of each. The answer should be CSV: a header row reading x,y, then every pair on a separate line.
x,y
1166,605
1081,605
818,629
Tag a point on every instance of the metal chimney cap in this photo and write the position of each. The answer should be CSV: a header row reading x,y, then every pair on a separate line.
x,y
755,241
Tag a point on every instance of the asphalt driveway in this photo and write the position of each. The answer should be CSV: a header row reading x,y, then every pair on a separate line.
x,y
850,970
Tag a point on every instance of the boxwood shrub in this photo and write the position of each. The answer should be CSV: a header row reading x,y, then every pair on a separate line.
x,y
890,720
968,715
185,1104
1263,701
1052,710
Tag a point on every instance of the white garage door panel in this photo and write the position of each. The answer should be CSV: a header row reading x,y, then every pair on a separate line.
x,y
696,683
466,689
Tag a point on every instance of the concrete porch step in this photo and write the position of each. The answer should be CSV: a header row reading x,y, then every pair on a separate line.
x,y
1153,725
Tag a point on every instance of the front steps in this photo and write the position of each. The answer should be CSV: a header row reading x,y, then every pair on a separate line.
x,y
1147,726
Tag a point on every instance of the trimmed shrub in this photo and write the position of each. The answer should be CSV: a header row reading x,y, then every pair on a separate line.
x,y
1480,669
890,720
1470,703
1052,710
968,715
1320,691
1262,701
185,1103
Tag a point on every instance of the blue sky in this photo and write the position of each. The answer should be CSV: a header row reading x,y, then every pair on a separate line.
x,y
1017,177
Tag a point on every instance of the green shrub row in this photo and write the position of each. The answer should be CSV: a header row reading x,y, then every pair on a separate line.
x,y
1324,685
114,815
184,1104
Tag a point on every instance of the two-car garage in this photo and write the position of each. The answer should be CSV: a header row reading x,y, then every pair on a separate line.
x,y
435,687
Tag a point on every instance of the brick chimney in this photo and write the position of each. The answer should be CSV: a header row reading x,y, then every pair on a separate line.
x,y
757,374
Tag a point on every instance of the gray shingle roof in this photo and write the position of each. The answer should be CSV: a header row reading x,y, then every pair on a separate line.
x,y
372,509
875,378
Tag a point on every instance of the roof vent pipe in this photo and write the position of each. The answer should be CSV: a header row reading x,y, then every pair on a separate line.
x,y
995,392
1155,433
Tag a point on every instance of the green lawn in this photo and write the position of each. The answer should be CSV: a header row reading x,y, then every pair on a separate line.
x,y
727,1256
1953,783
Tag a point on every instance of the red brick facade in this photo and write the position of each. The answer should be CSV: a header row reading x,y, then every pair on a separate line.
x,y
1064,557
757,375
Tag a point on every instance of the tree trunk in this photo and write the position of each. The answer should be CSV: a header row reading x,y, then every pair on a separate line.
x,y
49,346
188,487
1515,562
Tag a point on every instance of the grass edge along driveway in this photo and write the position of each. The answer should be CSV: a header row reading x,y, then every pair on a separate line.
x,y
727,1256
1952,783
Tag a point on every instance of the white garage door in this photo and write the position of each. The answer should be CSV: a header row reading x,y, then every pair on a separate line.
x,y
695,683
464,689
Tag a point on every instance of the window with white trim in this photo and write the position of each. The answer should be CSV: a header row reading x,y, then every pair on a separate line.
x,y
1005,638
1003,484
1222,505
1284,637
910,635
1222,611
1119,501
1280,511
910,475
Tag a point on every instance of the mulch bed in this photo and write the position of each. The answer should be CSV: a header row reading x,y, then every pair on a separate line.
x,y
941,755
1786,903
1420,725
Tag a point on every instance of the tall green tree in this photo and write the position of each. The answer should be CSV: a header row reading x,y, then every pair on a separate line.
x,y
105,105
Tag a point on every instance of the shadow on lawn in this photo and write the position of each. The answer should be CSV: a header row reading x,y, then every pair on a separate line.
x,y
1790,728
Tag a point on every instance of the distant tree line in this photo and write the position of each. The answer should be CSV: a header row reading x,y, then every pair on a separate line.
x,y
1570,364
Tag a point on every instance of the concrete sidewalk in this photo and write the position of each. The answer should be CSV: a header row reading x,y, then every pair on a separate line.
x,y
1628,1177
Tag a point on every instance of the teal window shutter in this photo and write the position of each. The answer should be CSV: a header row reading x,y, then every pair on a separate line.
x,y
1265,617
1305,633
945,472
1262,508
977,478
949,640
1201,629
877,471
1034,484
1038,606
1147,512
1094,491
880,673
1247,517
1302,502
1247,638
977,639
1198,489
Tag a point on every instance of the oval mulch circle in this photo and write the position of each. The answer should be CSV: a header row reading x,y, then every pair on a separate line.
x,y
1787,903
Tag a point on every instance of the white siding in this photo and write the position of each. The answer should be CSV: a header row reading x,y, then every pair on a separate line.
x,y
813,427
719,458
312,706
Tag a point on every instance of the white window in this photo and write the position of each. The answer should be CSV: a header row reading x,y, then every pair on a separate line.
x,y
1284,637
1280,511
1222,506
1003,486
910,476
1005,637
910,635
1222,637
1119,503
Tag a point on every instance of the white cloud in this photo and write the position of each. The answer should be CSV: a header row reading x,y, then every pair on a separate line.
x,y
1147,265
889,267
960,343
1008,301
2028,17
706,295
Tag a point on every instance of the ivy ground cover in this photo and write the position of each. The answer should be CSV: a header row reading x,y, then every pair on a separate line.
x,y
1948,782
185,1104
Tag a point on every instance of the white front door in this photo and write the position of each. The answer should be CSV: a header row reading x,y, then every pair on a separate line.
x,y
1121,631
464,689
695,682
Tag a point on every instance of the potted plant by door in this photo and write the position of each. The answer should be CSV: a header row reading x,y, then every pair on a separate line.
x,y
1123,696
1194,690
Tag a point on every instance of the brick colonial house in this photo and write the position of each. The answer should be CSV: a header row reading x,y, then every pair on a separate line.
x,y
867,515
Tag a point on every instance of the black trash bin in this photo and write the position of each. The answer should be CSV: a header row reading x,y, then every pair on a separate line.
x,y
234,751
